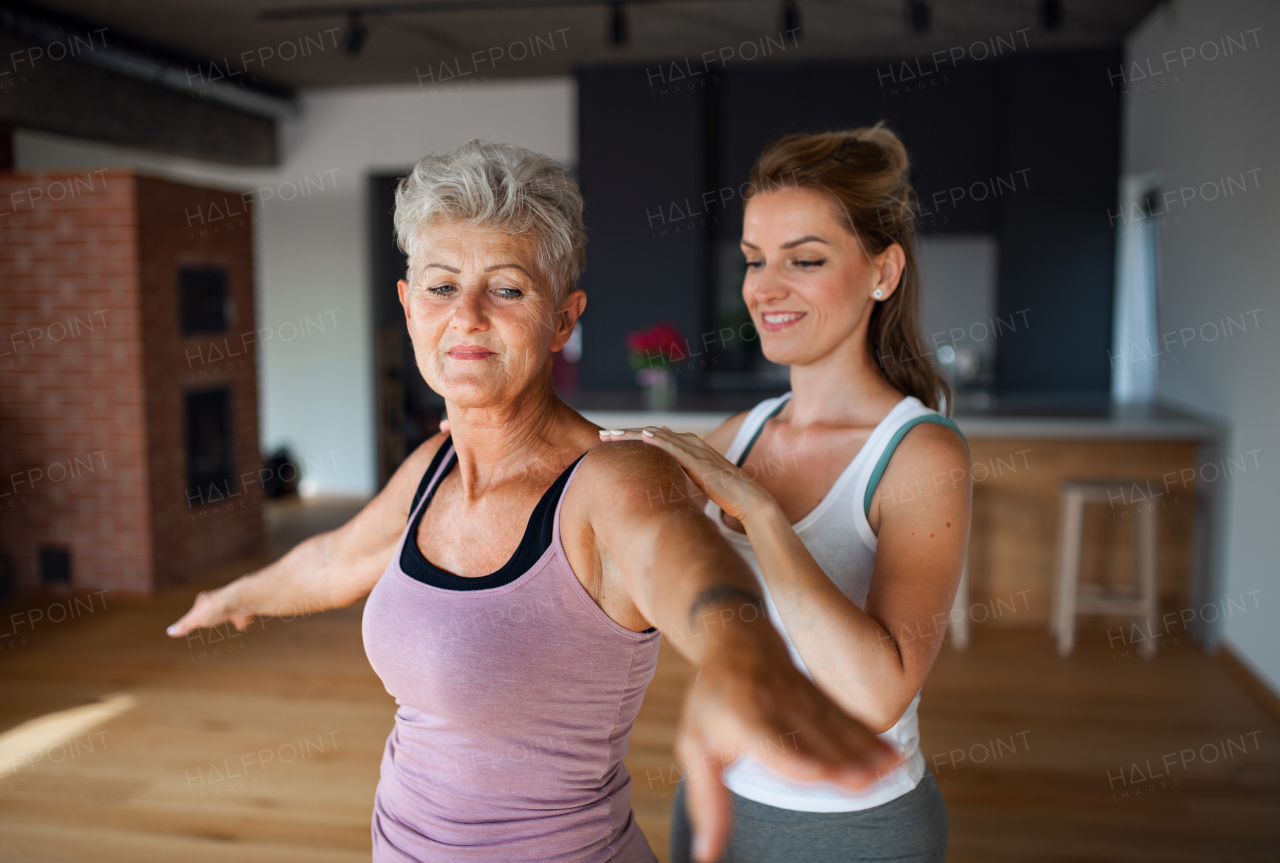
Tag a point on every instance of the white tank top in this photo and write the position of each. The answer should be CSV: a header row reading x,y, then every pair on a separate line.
x,y
848,558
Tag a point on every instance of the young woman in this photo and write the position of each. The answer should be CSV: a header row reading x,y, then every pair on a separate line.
x,y
849,496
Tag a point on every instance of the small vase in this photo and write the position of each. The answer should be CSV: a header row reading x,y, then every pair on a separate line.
x,y
659,387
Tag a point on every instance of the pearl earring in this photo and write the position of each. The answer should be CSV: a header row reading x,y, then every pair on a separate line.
x,y
877,293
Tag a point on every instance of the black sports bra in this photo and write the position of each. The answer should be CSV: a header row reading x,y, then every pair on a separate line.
x,y
536,540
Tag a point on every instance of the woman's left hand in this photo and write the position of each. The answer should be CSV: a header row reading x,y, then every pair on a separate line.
x,y
717,477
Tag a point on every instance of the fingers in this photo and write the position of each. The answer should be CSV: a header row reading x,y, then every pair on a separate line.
x,y
709,805
620,434
816,741
715,476
647,434
182,627
853,768
198,618
694,462
832,747
206,612
188,621
669,442
686,448
650,433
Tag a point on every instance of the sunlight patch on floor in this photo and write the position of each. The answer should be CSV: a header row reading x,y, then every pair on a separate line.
x,y
52,737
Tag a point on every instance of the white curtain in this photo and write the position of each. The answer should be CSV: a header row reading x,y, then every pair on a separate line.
x,y
1135,358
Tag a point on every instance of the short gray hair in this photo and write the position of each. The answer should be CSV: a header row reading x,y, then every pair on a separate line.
x,y
499,187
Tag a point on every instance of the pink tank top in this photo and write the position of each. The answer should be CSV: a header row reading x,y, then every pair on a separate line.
x,y
516,694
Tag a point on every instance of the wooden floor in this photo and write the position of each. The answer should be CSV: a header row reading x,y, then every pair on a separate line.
x,y
265,746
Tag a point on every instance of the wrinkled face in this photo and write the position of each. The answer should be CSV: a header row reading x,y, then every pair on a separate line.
x,y
808,283
481,314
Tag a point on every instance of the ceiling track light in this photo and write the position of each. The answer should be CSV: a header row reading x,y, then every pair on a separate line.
x,y
789,19
618,24
1051,14
356,34
919,16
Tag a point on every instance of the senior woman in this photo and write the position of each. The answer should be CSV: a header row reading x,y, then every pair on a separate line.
x,y
849,496
516,597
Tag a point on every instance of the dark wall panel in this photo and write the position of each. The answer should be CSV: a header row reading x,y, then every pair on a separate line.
x,y
951,130
1041,129
1057,252
641,169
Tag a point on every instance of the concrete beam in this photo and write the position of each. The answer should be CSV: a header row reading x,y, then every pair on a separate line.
x,y
74,98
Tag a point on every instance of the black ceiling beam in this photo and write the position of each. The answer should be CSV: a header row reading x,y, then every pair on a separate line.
x,y
138,58
68,97
74,77
417,7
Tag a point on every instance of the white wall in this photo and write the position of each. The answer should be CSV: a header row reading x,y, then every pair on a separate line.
x,y
316,391
1199,123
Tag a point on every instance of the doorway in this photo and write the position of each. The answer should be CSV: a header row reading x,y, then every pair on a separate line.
x,y
409,411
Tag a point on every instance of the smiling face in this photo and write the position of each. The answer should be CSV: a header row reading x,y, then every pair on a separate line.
x,y
482,316
809,284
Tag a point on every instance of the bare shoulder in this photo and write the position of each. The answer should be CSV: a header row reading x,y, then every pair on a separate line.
x,y
934,444
620,467
620,489
722,438
929,451
927,473
624,483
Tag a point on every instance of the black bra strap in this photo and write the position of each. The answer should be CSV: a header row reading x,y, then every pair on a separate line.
x,y
431,471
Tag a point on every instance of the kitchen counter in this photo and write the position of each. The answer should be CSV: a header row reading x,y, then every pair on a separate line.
x,y
1025,420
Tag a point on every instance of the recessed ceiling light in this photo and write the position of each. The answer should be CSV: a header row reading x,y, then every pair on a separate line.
x,y
617,24
789,20
919,16
1051,14
357,32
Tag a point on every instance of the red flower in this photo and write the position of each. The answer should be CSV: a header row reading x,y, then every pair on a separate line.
x,y
661,344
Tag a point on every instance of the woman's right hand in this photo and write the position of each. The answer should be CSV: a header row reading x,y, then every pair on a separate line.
x,y
213,608
715,476
330,570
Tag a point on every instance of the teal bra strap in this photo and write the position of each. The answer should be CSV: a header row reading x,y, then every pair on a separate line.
x,y
874,482
755,437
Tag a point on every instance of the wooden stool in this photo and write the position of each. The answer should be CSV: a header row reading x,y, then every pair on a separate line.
x,y
1071,598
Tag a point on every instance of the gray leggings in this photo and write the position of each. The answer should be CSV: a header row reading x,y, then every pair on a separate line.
x,y
910,829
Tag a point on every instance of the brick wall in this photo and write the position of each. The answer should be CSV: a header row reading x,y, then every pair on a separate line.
x,y
194,528
92,368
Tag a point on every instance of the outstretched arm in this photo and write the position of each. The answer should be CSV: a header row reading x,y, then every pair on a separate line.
x,y
748,698
330,570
